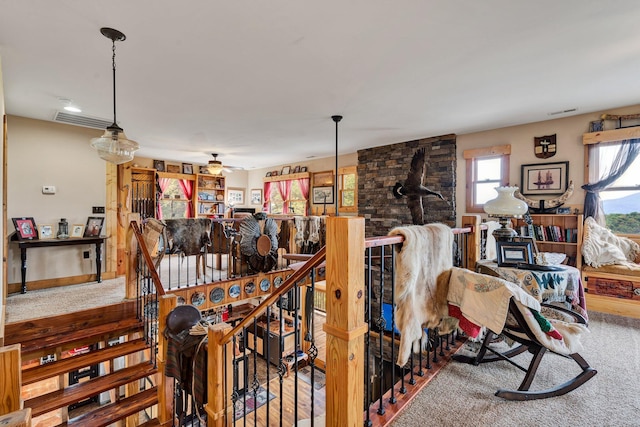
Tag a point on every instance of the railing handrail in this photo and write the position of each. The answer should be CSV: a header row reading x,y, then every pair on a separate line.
x,y
372,242
289,283
147,257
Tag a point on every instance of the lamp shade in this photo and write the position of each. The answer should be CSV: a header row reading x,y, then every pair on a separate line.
x,y
114,146
506,205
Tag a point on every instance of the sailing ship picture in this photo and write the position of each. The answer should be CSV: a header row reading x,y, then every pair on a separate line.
x,y
545,178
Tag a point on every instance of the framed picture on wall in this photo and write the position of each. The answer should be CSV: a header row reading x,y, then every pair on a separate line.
x,y
256,196
187,168
544,178
235,196
94,226
322,195
158,165
25,228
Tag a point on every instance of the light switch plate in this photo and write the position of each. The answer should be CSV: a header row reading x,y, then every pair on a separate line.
x,y
48,189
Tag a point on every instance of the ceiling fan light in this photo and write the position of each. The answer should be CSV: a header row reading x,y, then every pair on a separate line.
x,y
114,146
215,167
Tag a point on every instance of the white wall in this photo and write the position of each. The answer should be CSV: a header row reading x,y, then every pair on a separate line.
x,y
569,133
46,153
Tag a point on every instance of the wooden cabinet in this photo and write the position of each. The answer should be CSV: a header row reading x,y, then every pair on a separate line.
x,y
143,192
210,195
556,233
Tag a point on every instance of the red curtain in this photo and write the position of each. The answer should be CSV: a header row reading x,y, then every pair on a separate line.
x,y
187,188
284,187
304,188
163,183
267,196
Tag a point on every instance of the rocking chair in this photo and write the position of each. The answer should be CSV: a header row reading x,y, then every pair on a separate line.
x,y
520,331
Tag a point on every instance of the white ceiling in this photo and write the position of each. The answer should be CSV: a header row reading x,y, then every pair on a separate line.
x,y
257,81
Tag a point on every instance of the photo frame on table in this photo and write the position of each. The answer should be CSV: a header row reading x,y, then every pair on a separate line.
x,y
45,231
158,165
94,226
187,168
25,228
322,195
77,230
235,196
510,254
544,178
256,196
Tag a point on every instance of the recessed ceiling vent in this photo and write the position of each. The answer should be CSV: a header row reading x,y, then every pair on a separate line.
x,y
79,120
567,111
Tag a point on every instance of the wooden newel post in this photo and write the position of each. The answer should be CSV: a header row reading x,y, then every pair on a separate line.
x,y
10,379
217,403
345,326
165,384
473,240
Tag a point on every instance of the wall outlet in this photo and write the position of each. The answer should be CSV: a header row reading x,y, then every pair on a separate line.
x,y
48,189
85,254
98,209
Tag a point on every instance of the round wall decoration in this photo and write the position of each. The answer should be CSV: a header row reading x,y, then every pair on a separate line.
x,y
277,281
198,298
234,291
265,285
216,295
181,300
250,288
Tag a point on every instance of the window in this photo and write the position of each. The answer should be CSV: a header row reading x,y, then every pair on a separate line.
x,y
621,200
348,189
487,168
172,201
297,204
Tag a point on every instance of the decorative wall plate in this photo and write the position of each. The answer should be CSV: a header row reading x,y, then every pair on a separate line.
x,y
250,288
277,282
234,291
265,285
198,298
181,300
216,295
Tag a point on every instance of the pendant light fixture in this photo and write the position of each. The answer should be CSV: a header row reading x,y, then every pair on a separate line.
x,y
336,119
114,146
214,167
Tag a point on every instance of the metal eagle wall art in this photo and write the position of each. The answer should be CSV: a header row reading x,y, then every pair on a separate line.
x,y
414,189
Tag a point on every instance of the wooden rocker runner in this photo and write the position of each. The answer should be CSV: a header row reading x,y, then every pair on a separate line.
x,y
521,331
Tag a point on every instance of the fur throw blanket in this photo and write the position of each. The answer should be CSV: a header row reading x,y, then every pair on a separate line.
x,y
421,281
601,247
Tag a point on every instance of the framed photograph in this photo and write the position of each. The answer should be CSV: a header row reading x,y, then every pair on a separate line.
x,y
45,231
173,168
510,254
564,211
77,230
544,178
322,195
235,196
286,170
256,196
296,169
187,168
94,226
26,228
323,179
268,174
303,169
532,240
158,165
274,173
596,126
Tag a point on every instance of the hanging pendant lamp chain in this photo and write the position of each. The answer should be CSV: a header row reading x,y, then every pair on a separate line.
x,y
113,62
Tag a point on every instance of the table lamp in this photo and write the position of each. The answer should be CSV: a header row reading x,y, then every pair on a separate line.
x,y
504,207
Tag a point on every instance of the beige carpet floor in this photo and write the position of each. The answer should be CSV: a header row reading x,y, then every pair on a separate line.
x,y
463,395
65,299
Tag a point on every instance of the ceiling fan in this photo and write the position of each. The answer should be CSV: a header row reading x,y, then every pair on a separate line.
x,y
215,166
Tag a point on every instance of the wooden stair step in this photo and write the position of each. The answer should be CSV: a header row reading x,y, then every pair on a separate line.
x,y
152,423
78,392
82,335
108,414
59,367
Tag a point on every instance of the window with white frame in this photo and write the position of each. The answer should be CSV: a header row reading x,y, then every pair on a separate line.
x,y
487,168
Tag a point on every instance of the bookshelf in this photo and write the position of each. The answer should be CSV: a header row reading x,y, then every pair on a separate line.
x,y
556,233
210,195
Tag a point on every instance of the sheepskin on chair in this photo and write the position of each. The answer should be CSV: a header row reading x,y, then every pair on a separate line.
x,y
421,280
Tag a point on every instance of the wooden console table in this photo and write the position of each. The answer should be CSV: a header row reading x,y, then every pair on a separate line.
x,y
46,243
